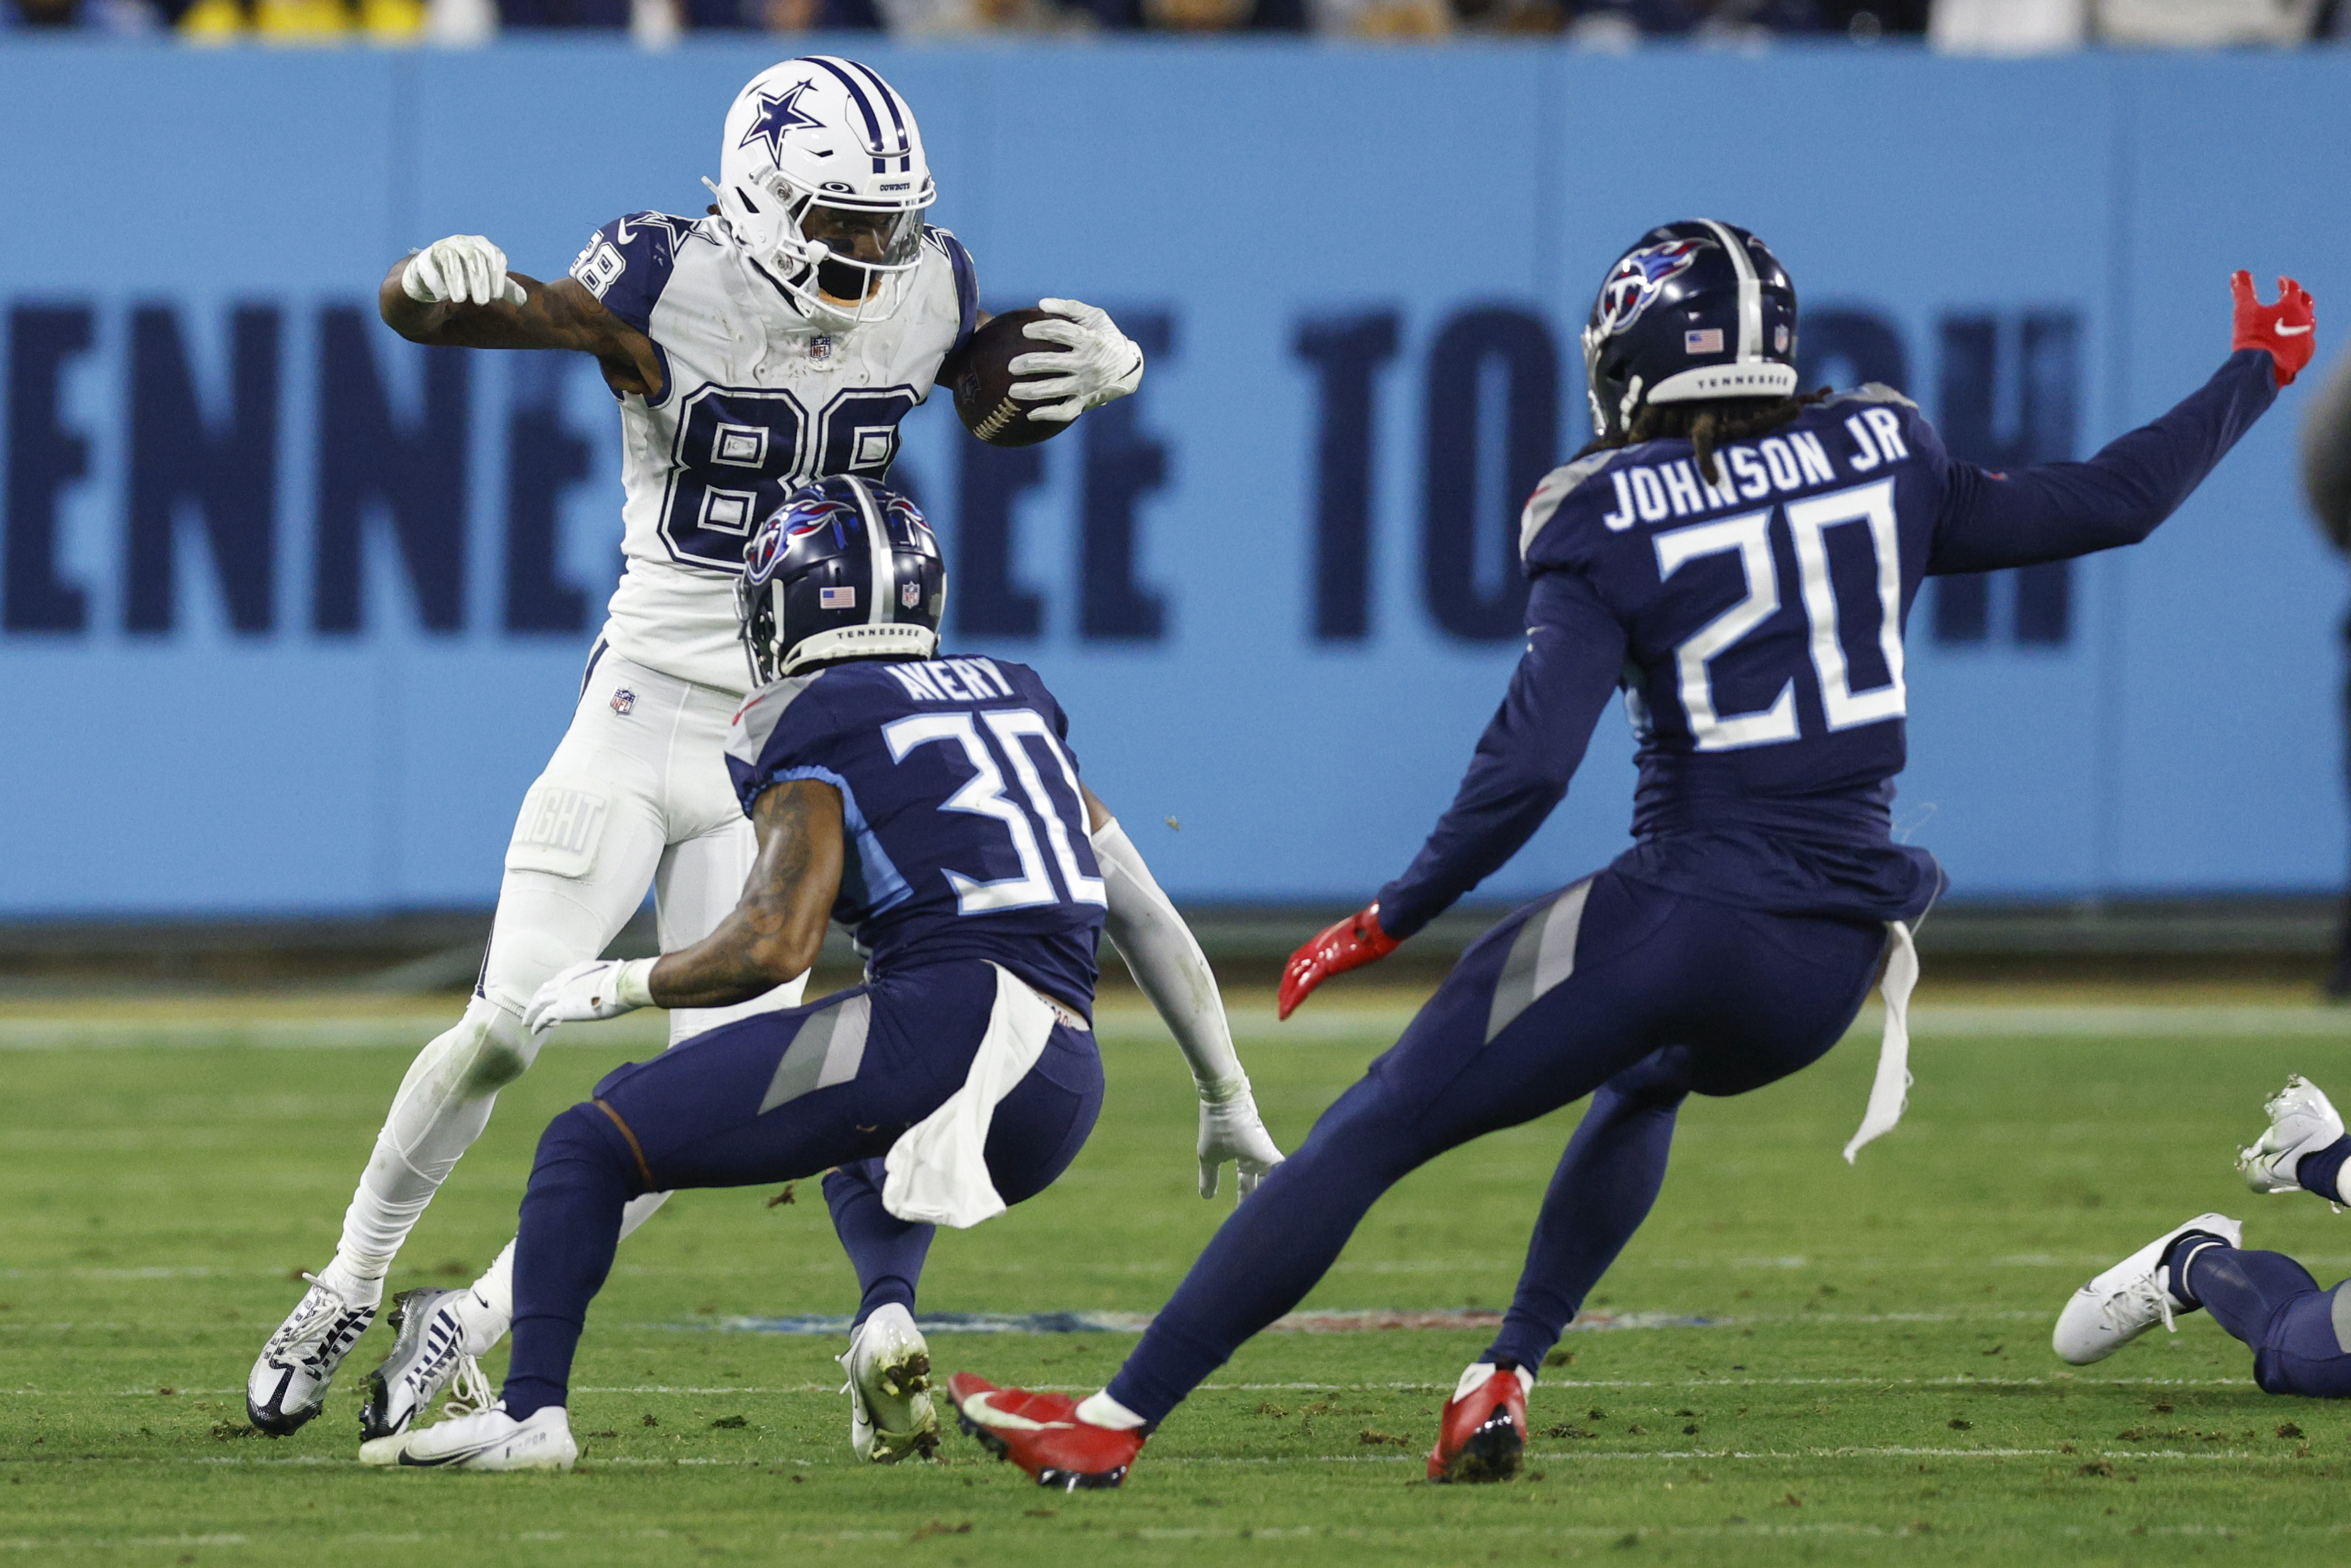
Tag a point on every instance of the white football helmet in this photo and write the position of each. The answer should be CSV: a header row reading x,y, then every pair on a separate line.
x,y
821,187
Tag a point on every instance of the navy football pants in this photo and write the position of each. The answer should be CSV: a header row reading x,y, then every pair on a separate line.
x,y
1611,989
2300,1333
778,1097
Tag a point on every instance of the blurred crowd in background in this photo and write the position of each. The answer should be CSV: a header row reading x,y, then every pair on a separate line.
x,y
1992,26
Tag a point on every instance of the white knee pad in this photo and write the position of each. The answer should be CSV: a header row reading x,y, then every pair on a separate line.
x,y
488,1050
442,1107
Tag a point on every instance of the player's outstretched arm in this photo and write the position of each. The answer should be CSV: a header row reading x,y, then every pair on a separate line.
x,y
771,936
2053,512
1166,962
458,293
1532,748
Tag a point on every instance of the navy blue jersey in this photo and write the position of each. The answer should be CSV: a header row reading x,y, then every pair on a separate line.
x,y
966,833
1755,626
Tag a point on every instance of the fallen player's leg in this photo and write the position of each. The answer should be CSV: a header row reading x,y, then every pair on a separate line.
x,y
2296,1329
2303,1146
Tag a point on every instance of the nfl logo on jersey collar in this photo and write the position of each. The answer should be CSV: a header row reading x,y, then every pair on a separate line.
x,y
819,348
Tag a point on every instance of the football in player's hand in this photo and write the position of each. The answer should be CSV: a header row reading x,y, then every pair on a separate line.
x,y
980,376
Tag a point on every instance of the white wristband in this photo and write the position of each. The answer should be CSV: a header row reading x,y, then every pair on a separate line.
x,y
1222,1091
632,982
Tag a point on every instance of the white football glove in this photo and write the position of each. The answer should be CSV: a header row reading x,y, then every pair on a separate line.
x,y
1230,1129
601,989
463,269
1098,365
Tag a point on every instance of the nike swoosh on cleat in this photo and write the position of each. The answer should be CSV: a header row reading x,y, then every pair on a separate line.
x,y
2284,331
979,1409
473,1453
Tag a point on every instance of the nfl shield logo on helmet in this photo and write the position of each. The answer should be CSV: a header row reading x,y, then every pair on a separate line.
x,y
910,594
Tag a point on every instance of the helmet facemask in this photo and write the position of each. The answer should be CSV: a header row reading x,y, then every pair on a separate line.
x,y
840,263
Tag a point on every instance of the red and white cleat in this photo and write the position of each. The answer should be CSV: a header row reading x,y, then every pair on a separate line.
x,y
1485,1426
1043,1434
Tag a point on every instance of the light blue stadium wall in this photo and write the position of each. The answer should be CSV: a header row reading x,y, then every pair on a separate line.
x,y
2181,736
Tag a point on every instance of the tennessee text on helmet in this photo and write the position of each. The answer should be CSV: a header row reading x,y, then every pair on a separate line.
x,y
1697,309
821,188
842,569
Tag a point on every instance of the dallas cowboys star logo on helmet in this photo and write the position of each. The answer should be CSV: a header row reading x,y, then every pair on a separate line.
x,y
779,116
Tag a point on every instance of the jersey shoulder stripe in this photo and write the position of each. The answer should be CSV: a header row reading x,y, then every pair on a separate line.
x,y
1555,487
967,282
628,262
755,721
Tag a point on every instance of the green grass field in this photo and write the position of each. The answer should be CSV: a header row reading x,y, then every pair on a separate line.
x,y
1877,1386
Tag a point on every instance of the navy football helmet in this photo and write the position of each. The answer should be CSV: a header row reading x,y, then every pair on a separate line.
x,y
1696,310
842,569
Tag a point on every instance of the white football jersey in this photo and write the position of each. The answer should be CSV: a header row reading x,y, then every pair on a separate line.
x,y
758,399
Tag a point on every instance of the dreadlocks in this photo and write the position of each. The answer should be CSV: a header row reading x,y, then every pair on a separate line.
x,y
1710,423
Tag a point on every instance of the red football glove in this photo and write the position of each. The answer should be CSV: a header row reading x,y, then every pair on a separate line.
x,y
1350,945
2283,330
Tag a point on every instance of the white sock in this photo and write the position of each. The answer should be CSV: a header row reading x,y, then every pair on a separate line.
x,y
358,1289
1102,1410
491,1313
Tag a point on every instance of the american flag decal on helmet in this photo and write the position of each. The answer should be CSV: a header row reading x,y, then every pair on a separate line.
x,y
836,598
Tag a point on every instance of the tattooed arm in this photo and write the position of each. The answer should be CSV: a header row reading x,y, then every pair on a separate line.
x,y
560,314
775,932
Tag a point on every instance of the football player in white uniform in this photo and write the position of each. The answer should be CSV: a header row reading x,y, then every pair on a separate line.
x,y
777,339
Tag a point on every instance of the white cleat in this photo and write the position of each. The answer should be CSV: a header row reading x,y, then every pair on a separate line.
x,y
2130,1298
289,1385
889,1367
2302,1122
485,1440
435,1348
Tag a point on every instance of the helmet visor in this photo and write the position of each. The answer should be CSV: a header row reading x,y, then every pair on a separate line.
x,y
869,236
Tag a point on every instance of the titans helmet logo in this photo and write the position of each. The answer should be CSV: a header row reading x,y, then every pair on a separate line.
x,y
1638,278
779,116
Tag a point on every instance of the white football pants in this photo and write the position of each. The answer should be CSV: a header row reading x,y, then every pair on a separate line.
x,y
637,793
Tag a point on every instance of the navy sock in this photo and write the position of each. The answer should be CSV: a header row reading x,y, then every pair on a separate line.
x,y
2175,1260
570,1228
886,1251
1603,1189
2319,1172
